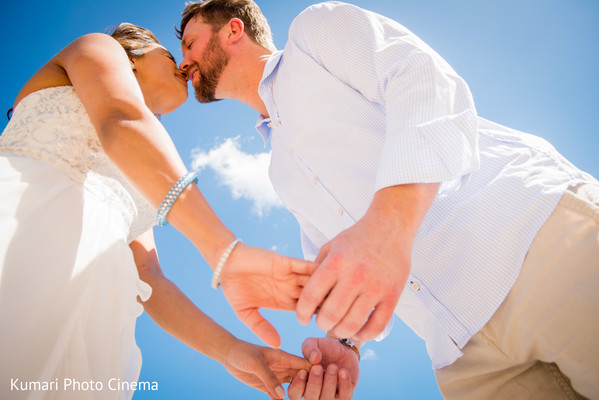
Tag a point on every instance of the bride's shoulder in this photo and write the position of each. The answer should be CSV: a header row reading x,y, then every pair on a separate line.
x,y
96,47
92,50
93,40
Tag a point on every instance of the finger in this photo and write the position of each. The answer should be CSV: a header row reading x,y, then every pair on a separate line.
x,y
314,385
336,305
298,385
355,318
345,387
284,363
314,292
322,254
311,351
268,378
260,326
303,267
377,321
329,385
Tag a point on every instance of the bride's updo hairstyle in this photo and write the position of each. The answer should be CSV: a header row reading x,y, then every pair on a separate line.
x,y
133,38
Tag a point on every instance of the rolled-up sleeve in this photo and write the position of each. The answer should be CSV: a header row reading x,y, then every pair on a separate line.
x,y
431,122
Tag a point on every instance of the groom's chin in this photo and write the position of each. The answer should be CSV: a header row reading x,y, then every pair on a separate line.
x,y
205,98
207,101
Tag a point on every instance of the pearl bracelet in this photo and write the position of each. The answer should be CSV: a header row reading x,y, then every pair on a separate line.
x,y
221,263
172,196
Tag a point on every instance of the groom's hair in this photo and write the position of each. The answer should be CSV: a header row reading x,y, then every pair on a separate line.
x,y
218,12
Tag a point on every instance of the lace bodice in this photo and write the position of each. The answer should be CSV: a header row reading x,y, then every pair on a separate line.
x,y
52,125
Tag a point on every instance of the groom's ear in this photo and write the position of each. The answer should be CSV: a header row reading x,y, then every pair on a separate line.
x,y
235,30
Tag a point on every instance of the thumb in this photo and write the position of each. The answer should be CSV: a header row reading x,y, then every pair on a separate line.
x,y
311,351
302,267
260,326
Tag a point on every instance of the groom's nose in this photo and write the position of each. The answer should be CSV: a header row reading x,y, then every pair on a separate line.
x,y
184,65
185,62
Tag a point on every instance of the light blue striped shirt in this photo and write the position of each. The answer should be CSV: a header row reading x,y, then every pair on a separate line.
x,y
357,103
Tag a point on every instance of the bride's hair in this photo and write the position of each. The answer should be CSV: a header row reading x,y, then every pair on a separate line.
x,y
133,38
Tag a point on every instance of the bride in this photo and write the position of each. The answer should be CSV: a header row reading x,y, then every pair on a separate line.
x,y
84,164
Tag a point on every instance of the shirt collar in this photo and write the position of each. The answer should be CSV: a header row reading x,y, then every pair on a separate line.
x,y
271,64
263,128
265,92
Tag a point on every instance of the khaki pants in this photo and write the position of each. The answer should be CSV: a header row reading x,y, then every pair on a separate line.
x,y
543,342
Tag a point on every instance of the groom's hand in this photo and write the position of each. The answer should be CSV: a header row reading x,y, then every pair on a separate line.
x,y
254,278
363,270
334,373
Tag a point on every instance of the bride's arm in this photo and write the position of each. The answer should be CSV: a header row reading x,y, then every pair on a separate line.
x,y
137,143
260,367
100,71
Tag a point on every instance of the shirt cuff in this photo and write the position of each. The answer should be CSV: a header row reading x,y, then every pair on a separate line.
x,y
443,150
387,330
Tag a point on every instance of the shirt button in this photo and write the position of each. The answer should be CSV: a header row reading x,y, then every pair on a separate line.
x,y
292,151
277,123
415,286
340,212
315,180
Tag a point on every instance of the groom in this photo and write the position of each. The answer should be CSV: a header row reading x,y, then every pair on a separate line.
x,y
400,189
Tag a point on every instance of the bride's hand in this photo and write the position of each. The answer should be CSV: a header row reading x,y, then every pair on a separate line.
x,y
263,368
254,278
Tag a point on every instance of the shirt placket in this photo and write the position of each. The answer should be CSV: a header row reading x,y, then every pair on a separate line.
x,y
313,178
275,123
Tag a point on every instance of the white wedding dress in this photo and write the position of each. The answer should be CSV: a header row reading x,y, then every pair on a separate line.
x,y
68,282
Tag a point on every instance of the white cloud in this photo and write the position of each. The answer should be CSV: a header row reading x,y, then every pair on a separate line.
x,y
245,174
369,354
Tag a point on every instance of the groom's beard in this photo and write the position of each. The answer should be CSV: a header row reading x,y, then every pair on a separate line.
x,y
214,62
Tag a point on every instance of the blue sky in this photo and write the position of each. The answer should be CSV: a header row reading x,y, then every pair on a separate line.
x,y
531,65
